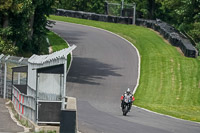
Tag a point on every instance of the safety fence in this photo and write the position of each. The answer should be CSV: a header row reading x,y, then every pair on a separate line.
x,y
94,16
14,86
167,31
120,9
24,104
6,65
114,9
36,89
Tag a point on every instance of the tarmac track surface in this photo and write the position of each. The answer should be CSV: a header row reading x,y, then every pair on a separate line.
x,y
103,67
7,125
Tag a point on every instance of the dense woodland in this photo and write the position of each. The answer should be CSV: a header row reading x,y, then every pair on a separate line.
x,y
23,22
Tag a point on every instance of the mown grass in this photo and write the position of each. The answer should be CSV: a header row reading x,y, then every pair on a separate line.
x,y
57,44
169,82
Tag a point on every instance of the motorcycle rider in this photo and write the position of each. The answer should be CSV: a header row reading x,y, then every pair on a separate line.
x,y
129,94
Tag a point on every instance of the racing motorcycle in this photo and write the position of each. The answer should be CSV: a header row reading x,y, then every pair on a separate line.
x,y
126,103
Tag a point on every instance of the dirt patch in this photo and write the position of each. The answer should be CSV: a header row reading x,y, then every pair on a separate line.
x,y
179,50
50,49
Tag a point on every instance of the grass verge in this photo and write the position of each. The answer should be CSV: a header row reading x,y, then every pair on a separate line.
x,y
169,82
57,44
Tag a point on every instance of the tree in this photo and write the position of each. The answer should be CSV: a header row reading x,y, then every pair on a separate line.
x,y
96,6
6,47
183,14
27,23
43,8
5,6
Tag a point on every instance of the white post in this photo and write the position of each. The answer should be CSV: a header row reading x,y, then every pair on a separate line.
x,y
1,56
36,98
64,85
5,76
134,6
1,79
122,8
18,79
20,60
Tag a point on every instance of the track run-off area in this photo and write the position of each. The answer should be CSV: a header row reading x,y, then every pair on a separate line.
x,y
104,65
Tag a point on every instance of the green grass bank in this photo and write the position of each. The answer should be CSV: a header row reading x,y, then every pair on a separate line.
x,y
57,43
169,82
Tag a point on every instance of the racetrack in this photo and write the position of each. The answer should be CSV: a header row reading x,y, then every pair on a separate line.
x,y
103,67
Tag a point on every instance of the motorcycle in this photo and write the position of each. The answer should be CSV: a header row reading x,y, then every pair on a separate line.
x,y
127,102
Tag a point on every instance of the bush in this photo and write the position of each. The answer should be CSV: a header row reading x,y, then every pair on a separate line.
x,y
194,32
198,47
7,47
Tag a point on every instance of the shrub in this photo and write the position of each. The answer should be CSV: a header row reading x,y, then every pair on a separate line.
x,y
194,32
7,47
198,47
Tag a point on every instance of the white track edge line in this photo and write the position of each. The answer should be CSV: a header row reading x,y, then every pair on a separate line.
x,y
137,84
138,78
166,115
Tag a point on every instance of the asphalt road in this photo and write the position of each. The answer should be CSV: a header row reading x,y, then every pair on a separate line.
x,y
103,67
7,125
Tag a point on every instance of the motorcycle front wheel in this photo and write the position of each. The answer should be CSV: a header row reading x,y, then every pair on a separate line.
x,y
125,110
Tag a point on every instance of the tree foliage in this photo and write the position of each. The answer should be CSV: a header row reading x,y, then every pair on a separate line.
x,y
23,22
6,47
96,6
183,14
26,21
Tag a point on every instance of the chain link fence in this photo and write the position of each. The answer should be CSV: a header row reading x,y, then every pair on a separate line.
x,y
121,9
6,65
114,9
128,10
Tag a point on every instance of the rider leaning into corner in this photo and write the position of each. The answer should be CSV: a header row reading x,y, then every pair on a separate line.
x,y
129,94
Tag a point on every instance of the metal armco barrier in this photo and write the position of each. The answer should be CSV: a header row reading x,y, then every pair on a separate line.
x,y
24,104
18,100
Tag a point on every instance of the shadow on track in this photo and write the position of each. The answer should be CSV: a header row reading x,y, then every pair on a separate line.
x,y
79,71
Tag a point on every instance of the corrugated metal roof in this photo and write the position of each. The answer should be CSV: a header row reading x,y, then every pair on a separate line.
x,y
41,59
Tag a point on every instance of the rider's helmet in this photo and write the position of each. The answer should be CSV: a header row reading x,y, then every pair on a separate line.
x,y
128,91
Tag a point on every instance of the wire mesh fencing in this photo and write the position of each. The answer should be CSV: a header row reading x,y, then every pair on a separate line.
x,y
128,10
121,9
114,9
6,65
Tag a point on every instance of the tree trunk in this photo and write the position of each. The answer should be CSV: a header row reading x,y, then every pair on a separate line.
x,y
151,9
31,22
5,21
